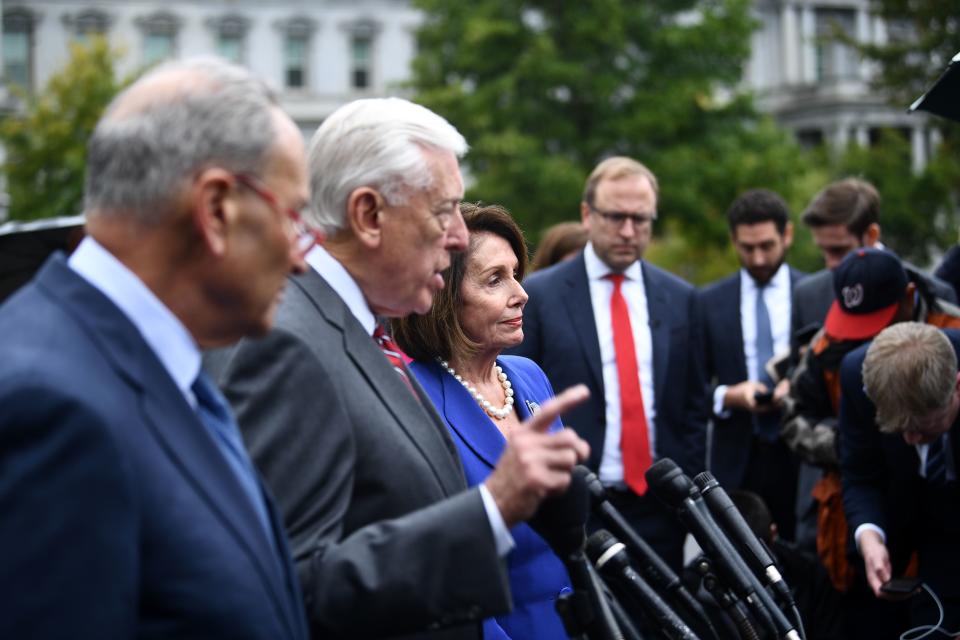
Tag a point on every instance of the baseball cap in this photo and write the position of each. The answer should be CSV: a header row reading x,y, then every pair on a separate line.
x,y
868,286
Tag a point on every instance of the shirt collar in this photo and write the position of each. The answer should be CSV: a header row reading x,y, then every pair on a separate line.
x,y
345,286
162,330
597,269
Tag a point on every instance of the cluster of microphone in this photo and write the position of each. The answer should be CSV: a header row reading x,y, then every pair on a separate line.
x,y
618,579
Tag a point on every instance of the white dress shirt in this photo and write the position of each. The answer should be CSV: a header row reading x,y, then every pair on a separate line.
x,y
163,331
349,291
777,297
635,294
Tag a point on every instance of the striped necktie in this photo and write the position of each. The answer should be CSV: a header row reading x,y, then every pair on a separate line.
x,y
395,355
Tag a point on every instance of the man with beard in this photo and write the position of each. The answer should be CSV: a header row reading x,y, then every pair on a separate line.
x,y
746,320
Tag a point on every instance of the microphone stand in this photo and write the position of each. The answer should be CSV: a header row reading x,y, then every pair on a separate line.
x,y
585,612
731,606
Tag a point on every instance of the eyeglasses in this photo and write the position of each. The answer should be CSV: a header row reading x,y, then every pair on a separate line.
x,y
618,218
307,236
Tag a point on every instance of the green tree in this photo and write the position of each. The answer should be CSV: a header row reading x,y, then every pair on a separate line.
x,y
45,144
543,89
920,213
921,41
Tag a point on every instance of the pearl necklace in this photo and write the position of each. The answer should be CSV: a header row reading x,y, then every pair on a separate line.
x,y
494,412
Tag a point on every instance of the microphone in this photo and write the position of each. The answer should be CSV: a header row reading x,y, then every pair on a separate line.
x,y
731,520
675,489
560,521
610,558
651,566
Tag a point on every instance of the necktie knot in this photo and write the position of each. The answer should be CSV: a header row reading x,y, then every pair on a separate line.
x,y
616,278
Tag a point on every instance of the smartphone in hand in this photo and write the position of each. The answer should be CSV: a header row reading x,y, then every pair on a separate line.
x,y
763,397
901,588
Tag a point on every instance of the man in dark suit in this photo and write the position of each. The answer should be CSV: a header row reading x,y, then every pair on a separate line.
x,y
746,321
129,508
387,538
899,448
843,216
629,331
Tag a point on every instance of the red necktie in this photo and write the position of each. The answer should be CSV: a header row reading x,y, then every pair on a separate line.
x,y
398,359
634,441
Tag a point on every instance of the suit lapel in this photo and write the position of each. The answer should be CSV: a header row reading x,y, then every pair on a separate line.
x,y
658,310
177,428
470,422
581,315
733,325
415,416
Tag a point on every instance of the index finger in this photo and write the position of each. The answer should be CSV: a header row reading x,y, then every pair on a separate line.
x,y
551,409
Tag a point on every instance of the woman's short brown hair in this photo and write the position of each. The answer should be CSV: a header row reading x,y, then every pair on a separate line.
x,y
439,333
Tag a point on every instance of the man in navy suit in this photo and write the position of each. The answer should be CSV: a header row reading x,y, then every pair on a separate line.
x,y
899,435
130,508
746,321
612,321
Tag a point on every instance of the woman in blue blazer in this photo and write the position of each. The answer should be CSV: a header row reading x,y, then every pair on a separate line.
x,y
482,395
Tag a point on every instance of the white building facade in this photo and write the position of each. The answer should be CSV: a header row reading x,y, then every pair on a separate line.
x,y
319,54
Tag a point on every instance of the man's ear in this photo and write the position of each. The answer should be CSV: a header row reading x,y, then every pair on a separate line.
x,y
872,235
364,208
213,207
788,235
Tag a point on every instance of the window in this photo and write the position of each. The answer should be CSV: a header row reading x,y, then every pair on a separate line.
x,y
159,36
296,50
157,47
360,62
835,60
87,23
230,47
230,32
18,48
361,34
295,61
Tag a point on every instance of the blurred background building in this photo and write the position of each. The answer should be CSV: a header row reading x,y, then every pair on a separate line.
x,y
320,54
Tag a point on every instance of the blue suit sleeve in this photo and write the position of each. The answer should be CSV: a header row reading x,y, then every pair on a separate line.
x,y
862,466
68,525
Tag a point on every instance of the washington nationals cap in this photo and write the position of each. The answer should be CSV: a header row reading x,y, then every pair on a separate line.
x,y
868,286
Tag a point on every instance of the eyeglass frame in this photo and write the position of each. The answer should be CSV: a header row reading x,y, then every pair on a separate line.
x,y
618,218
300,226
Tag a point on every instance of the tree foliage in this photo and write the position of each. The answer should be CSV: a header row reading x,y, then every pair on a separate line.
x,y
921,41
544,89
45,143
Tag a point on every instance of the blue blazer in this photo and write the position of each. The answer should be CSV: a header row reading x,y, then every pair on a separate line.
x,y
726,364
537,575
120,516
882,485
560,335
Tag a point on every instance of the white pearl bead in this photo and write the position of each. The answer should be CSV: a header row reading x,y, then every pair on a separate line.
x,y
494,412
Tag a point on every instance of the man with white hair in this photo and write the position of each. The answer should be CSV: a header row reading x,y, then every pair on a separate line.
x,y
129,507
899,450
387,538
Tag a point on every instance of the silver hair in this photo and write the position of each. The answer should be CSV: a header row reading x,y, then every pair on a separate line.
x,y
146,147
375,143
909,372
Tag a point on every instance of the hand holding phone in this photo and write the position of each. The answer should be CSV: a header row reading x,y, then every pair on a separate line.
x,y
901,588
763,397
